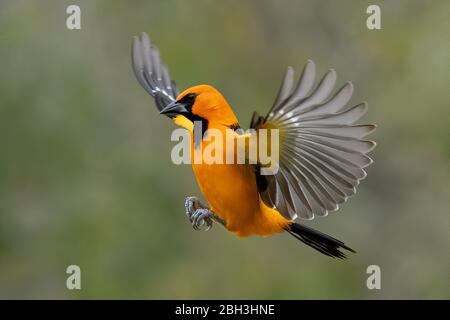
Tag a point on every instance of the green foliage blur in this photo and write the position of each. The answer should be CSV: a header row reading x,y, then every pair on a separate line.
x,y
85,170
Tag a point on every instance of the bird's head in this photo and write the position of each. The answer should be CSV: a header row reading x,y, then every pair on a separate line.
x,y
200,103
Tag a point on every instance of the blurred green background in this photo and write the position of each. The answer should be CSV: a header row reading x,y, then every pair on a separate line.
x,y
85,170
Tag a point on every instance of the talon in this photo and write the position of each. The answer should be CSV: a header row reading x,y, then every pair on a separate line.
x,y
199,221
200,218
200,215
208,223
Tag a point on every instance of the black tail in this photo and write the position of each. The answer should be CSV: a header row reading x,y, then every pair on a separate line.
x,y
318,240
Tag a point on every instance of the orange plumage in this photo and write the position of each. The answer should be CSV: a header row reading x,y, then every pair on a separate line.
x,y
230,189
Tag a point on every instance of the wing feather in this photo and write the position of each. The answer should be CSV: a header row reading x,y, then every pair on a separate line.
x,y
323,152
151,73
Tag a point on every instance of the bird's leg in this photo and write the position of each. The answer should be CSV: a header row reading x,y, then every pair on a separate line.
x,y
199,214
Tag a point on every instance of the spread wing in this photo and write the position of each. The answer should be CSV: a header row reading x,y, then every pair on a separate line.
x,y
151,73
323,152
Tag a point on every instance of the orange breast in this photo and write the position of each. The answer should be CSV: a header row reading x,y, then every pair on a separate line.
x,y
232,194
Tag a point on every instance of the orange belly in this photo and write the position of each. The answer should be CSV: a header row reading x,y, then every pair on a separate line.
x,y
232,194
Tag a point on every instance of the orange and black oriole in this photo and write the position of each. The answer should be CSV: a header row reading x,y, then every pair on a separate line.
x,y
322,153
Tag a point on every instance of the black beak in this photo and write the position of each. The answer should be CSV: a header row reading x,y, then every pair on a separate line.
x,y
173,109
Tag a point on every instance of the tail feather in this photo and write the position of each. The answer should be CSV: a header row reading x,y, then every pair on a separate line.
x,y
320,241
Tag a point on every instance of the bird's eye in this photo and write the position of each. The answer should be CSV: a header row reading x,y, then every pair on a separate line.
x,y
190,98
188,101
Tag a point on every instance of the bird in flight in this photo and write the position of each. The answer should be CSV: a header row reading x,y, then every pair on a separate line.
x,y
322,152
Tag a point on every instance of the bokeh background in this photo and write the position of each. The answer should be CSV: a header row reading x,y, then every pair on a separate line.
x,y
85,170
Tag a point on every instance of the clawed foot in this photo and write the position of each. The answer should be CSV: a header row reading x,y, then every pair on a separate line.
x,y
199,214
